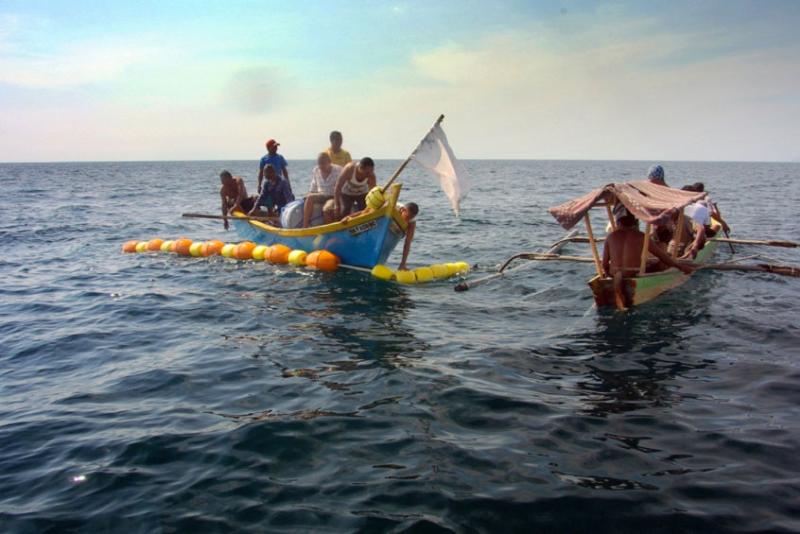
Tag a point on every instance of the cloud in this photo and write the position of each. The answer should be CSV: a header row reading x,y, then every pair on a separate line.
x,y
256,89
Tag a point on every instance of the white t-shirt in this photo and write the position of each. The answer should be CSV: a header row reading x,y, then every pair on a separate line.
x,y
699,213
322,185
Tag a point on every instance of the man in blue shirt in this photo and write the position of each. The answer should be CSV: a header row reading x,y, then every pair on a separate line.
x,y
276,192
276,160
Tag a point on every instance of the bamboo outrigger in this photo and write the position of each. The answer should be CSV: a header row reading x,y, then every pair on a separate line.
x,y
651,203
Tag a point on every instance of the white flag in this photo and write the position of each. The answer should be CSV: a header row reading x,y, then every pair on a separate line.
x,y
434,153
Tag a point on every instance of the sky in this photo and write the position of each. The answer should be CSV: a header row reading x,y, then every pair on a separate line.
x,y
104,80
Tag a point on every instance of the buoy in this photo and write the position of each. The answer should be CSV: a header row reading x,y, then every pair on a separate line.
x,y
196,249
322,260
382,272
406,277
174,245
298,257
278,254
129,246
166,245
452,269
258,252
375,198
182,246
423,274
462,266
228,250
440,271
154,245
211,248
244,250
141,246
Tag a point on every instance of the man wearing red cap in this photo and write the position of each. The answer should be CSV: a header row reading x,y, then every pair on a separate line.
x,y
276,160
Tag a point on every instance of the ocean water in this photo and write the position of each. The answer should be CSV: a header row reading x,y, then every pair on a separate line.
x,y
156,393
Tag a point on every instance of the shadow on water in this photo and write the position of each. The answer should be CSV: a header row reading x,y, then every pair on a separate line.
x,y
639,353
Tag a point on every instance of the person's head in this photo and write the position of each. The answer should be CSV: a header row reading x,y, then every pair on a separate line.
x,y
336,140
623,217
408,211
272,146
324,161
269,173
225,177
656,175
365,166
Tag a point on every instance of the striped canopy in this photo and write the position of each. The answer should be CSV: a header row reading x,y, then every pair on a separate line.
x,y
648,202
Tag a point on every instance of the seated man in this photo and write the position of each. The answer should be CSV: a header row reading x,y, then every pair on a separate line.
x,y
323,182
275,193
352,187
622,252
234,195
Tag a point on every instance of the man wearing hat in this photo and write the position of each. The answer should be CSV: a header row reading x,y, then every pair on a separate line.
x,y
276,160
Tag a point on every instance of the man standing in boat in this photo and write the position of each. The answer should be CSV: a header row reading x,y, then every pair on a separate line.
x,y
277,161
338,155
353,185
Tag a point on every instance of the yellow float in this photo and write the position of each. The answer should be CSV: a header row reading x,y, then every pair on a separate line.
x,y
196,249
382,272
406,277
228,250
298,257
423,274
259,251
141,246
166,245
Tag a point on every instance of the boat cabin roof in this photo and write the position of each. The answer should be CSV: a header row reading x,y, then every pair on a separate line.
x,y
648,202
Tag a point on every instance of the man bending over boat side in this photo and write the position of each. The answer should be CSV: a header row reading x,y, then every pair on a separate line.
x,y
622,251
323,181
234,195
408,212
356,180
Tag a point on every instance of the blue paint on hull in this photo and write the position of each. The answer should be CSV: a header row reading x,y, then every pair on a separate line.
x,y
365,245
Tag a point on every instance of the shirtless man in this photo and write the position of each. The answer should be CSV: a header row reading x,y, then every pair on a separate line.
x,y
234,195
355,181
623,248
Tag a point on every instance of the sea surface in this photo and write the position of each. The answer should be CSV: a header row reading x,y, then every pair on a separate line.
x,y
157,393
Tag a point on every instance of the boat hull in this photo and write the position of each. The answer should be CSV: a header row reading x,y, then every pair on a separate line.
x,y
649,286
364,241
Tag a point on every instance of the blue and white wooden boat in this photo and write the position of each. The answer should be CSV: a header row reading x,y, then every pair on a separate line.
x,y
363,241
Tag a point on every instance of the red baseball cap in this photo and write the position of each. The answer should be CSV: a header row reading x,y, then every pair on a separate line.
x,y
272,142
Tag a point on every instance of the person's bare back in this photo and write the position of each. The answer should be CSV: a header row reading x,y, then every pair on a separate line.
x,y
623,251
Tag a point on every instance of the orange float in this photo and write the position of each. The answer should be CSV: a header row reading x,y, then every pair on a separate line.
x,y
129,246
212,248
277,254
154,245
244,250
322,260
182,247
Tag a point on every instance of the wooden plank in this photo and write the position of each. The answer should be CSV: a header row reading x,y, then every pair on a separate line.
x,y
645,249
598,265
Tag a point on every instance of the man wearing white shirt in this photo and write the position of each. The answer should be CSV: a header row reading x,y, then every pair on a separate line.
x,y
323,182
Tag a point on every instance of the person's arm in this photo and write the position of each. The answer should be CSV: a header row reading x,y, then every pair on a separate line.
x,y
264,193
337,194
286,170
412,227
287,192
656,251
260,175
224,209
372,181
697,244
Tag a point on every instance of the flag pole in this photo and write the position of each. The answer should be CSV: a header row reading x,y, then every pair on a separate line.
x,y
408,159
